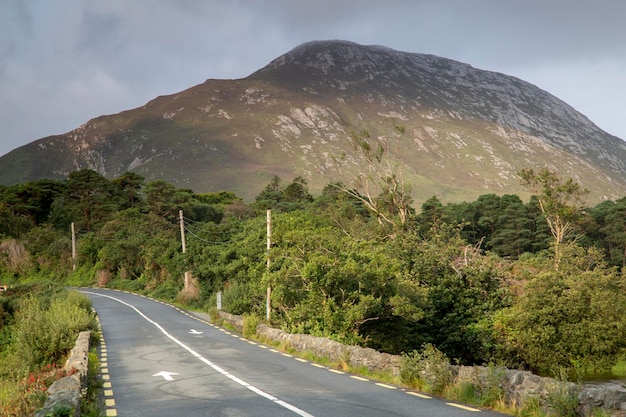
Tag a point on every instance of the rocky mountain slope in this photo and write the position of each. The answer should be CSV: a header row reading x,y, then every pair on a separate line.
x,y
466,131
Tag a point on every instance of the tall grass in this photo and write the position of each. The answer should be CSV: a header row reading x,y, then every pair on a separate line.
x,y
428,370
619,369
45,334
45,328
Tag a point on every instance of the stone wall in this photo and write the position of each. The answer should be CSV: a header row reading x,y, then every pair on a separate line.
x,y
67,391
518,386
355,356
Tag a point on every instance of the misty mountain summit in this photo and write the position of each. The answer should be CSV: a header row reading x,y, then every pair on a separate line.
x,y
466,131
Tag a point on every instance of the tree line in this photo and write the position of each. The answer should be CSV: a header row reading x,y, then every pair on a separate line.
x,y
539,285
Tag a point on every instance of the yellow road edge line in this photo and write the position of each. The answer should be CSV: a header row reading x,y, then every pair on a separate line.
x,y
462,407
417,394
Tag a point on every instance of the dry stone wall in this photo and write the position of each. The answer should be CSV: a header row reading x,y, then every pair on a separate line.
x,y
519,387
67,391
355,356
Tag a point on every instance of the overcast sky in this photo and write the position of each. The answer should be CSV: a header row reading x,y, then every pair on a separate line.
x,y
64,62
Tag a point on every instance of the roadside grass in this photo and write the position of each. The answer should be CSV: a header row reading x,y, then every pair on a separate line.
x,y
619,369
25,395
44,329
91,405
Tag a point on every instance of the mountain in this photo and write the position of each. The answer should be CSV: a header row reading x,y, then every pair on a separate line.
x,y
467,131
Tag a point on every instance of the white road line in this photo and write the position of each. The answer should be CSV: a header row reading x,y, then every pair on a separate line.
x,y
262,393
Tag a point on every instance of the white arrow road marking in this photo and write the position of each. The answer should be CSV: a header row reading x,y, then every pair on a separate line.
x,y
227,374
194,331
166,375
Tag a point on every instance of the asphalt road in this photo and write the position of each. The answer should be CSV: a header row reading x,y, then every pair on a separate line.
x,y
162,361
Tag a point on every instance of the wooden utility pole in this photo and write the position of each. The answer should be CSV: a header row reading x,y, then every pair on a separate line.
x,y
182,230
187,282
269,236
268,303
73,247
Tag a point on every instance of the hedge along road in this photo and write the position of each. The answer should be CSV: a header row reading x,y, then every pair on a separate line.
x,y
163,361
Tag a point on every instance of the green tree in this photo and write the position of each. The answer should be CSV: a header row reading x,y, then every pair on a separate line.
x,y
12,224
347,213
513,232
465,215
327,284
88,200
129,185
561,203
295,196
488,208
160,199
431,216
571,318
271,195
608,230
231,257
541,235
49,247
27,205
380,183
221,198
464,291
140,246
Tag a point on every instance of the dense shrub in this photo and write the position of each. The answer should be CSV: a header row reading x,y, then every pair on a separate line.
x,y
44,326
428,370
571,318
44,334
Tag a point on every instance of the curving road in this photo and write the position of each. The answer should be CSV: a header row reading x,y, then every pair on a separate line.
x,y
161,361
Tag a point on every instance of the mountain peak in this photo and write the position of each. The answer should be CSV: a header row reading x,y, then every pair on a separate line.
x,y
343,60
468,131
344,68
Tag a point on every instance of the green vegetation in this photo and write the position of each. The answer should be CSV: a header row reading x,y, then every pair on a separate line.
x,y
90,404
427,371
537,285
39,324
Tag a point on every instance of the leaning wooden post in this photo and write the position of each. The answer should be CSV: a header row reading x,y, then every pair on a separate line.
x,y
268,302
